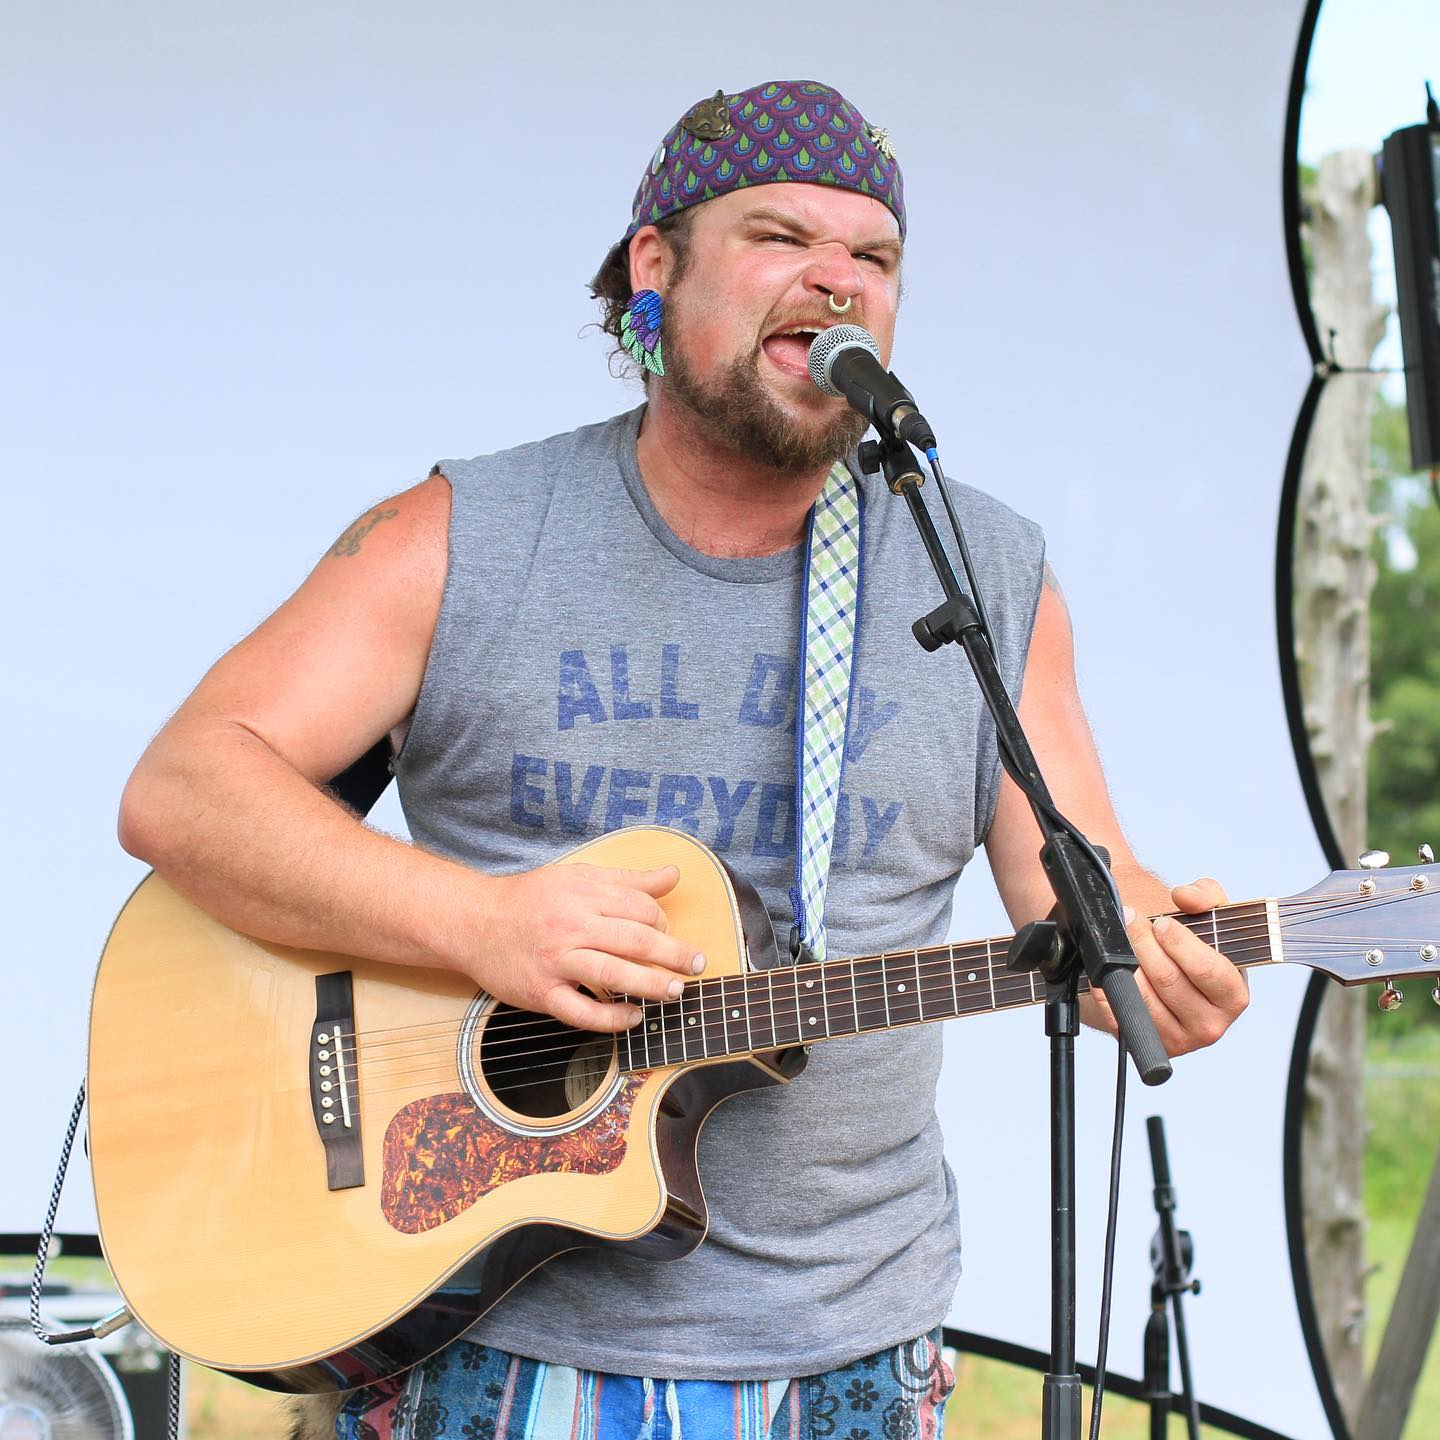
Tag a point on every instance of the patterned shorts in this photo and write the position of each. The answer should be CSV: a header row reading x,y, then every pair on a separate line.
x,y
469,1392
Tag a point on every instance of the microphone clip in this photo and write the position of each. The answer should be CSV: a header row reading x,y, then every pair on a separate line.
x,y
892,455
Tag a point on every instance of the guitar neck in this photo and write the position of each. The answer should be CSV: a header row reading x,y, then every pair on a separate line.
x,y
804,1004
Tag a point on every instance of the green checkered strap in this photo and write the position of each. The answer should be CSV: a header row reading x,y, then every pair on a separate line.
x,y
827,644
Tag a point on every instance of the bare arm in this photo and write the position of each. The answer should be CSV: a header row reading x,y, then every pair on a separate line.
x,y
226,801
1192,991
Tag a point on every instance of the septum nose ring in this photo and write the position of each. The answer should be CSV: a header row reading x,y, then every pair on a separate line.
x,y
841,309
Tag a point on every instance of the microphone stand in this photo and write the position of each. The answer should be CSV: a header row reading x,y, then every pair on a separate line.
x,y
1085,928
1172,1252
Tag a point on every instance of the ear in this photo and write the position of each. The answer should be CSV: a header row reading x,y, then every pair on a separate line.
x,y
650,260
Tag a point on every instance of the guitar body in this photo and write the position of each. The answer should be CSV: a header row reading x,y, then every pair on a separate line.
x,y
313,1171
313,1214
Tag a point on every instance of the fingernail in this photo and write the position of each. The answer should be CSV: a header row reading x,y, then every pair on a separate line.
x,y
1160,924
633,1017
697,964
677,989
1129,916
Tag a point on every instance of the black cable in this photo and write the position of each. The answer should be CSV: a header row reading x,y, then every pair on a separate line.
x,y
42,1252
940,480
172,1392
37,1276
1013,767
1102,1347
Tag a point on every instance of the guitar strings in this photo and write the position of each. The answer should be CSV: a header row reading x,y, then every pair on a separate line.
x,y
970,951
675,1027
1015,987
1017,995
982,955
708,998
707,1004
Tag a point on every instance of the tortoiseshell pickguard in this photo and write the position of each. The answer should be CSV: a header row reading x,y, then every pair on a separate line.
x,y
443,1153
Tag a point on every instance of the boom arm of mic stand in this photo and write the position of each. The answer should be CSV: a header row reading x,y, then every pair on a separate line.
x,y
1085,906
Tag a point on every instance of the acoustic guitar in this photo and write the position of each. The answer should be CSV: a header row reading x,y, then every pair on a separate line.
x,y
313,1171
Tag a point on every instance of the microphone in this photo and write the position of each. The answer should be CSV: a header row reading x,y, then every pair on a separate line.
x,y
845,362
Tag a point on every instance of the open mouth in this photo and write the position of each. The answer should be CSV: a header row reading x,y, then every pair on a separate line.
x,y
789,349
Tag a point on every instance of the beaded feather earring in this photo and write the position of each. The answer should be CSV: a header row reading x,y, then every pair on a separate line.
x,y
640,331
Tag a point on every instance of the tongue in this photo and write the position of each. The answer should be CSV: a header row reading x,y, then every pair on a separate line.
x,y
789,352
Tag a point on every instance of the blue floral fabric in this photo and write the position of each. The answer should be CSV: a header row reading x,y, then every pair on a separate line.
x,y
471,1392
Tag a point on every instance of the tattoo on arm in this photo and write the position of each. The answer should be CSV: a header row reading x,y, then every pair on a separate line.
x,y
349,542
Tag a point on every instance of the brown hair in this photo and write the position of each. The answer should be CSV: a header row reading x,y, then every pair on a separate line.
x,y
611,285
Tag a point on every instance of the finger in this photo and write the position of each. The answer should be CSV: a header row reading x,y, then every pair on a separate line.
x,y
657,882
633,941
1202,894
573,1007
1166,1027
1180,1011
1209,972
602,970
621,902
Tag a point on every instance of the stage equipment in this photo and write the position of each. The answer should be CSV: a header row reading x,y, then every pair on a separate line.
x,y
1172,1252
58,1394
1410,190
1086,928
845,362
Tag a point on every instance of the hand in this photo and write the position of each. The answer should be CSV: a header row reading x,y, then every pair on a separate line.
x,y
1194,994
551,931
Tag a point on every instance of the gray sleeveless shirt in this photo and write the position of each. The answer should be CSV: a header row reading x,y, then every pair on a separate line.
x,y
591,670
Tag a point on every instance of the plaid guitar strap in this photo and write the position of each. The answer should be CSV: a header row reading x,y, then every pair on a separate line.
x,y
824,683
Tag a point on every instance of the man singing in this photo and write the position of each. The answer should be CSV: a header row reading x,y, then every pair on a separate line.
x,y
611,627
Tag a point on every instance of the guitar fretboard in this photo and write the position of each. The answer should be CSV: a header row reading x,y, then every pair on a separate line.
x,y
804,1004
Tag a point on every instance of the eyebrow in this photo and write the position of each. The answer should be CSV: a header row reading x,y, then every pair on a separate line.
x,y
764,215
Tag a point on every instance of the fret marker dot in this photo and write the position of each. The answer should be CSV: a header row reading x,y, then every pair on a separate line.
x,y
900,987
971,975
734,1014
691,1020
654,1026
809,984
812,1019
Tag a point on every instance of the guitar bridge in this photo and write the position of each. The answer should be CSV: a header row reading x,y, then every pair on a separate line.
x,y
335,1080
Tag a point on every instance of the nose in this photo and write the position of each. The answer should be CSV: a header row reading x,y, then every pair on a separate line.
x,y
833,272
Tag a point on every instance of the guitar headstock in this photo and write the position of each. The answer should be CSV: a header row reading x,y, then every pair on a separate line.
x,y
1378,922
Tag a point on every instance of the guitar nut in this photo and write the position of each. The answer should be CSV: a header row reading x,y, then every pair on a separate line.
x,y
1374,957
1428,952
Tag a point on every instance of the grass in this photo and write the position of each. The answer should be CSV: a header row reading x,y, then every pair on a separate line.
x,y
996,1401
1402,1102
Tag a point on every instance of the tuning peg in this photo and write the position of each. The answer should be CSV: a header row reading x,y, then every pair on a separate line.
x,y
1435,993
1374,860
1391,998
1427,855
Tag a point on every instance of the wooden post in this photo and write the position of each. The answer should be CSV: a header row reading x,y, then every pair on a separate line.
x,y
1333,578
1409,1329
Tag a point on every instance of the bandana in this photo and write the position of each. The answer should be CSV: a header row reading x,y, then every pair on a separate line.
x,y
788,130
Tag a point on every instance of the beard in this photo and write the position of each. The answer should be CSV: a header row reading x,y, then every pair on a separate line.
x,y
734,409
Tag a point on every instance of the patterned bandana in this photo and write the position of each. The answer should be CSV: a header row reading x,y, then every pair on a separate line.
x,y
796,130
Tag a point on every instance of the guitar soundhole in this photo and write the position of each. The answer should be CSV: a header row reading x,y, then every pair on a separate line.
x,y
540,1068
